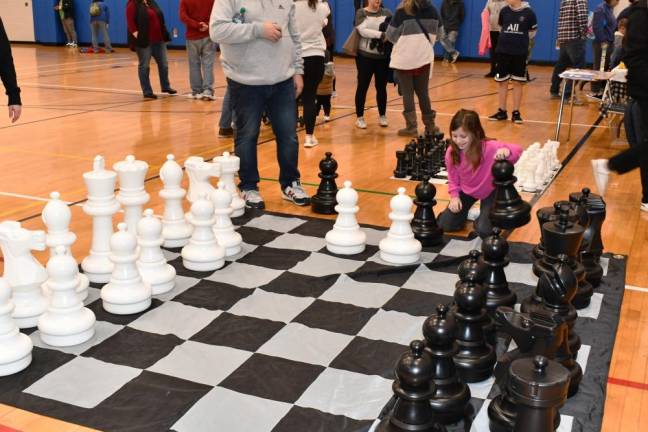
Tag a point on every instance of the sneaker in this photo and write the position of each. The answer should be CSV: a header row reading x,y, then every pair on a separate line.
x,y
73,45
69,44
310,141
595,96
516,117
170,91
208,95
296,193
601,174
490,75
383,121
499,115
225,132
327,119
454,57
334,94
644,207
150,96
253,199
553,95
578,102
361,123
195,95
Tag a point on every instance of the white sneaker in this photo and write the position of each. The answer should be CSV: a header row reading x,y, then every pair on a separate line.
x,y
327,119
361,123
208,95
310,141
253,199
601,173
383,121
296,193
644,207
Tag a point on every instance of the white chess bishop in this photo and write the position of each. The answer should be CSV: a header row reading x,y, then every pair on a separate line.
x,y
101,205
223,228
229,166
16,352
199,173
24,274
176,231
132,195
203,253
346,237
400,246
56,217
151,262
66,322
126,293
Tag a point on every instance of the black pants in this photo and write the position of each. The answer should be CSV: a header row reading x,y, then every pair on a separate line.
x,y
450,221
313,73
637,155
323,101
379,70
494,37
597,86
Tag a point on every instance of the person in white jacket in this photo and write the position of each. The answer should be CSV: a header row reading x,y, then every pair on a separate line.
x,y
311,17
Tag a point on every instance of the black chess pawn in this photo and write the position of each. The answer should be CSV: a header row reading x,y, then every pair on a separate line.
x,y
539,386
495,250
401,164
474,267
451,396
508,210
593,207
424,224
548,214
324,201
417,175
410,149
413,388
476,357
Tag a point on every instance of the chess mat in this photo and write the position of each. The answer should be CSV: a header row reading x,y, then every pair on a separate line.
x,y
286,337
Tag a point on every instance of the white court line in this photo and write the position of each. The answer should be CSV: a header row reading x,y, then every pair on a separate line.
x,y
66,87
57,66
79,69
30,197
636,288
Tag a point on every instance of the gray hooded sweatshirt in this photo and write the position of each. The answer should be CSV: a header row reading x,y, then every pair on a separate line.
x,y
247,57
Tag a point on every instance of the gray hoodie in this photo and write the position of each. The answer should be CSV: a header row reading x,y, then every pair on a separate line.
x,y
247,57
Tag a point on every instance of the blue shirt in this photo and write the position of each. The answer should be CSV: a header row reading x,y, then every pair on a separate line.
x,y
104,15
604,23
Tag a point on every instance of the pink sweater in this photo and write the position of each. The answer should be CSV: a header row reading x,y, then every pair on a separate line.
x,y
476,183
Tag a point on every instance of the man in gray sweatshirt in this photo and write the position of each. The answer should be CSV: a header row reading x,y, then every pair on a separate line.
x,y
261,58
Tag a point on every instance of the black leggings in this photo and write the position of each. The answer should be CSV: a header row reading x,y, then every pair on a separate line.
x,y
367,68
313,73
494,37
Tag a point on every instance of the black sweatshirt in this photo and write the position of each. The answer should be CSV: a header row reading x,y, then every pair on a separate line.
x,y
7,70
636,50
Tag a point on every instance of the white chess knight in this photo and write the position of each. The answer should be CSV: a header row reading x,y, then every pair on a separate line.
x,y
229,166
132,195
199,173
16,352
346,237
24,274
223,228
400,246
66,322
151,263
176,231
101,205
126,293
203,253
56,217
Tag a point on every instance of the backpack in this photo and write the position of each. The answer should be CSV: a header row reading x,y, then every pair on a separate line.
x,y
95,9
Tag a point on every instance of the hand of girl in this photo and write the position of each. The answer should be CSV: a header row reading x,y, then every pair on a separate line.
x,y
455,205
502,153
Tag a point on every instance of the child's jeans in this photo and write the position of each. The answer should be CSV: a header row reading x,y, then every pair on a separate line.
x,y
95,28
450,221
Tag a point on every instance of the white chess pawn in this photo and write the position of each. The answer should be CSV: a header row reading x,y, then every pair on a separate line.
x,y
229,166
540,173
176,231
16,353
199,173
126,293
56,217
223,228
555,162
66,322
520,170
400,246
346,237
203,253
24,274
151,262
132,195
101,205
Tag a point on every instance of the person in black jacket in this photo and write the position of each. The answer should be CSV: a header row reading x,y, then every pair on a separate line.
x,y
65,8
8,76
452,15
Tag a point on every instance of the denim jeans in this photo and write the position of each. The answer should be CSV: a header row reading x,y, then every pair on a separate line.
x,y
95,28
201,54
448,41
572,55
159,52
227,114
278,101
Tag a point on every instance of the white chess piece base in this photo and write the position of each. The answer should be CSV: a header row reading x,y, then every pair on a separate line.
x,y
175,243
345,250
27,311
16,353
126,309
202,266
399,259
161,278
68,340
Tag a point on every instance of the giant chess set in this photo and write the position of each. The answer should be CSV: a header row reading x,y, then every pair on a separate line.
x,y
223,319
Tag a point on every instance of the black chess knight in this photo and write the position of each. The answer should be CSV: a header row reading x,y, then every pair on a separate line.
x,y
549,214
593,207
324,201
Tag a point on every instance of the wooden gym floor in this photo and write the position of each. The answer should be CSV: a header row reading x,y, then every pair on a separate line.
x,y
78,106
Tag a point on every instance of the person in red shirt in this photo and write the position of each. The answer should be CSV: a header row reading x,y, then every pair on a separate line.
x,y
148,36
200,49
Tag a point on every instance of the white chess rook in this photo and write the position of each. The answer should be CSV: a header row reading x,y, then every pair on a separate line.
x,y
176,231
223,228
199,173
151,262
101,205
126,293
24,274
56,217
203,253
16,352
229,166
346,237
400,246
132,195
66,322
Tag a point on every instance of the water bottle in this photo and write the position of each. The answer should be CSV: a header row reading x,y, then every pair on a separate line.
x,y
239,17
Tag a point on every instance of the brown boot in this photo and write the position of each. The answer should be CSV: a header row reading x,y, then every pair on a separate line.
x,y
410,125
428,121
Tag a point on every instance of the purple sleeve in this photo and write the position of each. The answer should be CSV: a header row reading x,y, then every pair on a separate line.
x,y
454,186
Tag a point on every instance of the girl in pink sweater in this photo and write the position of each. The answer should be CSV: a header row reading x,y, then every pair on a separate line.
x,y
469,160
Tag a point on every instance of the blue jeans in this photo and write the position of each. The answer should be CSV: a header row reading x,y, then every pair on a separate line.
x,y
201,54
448,40
572,55
159,52
227,114
278,101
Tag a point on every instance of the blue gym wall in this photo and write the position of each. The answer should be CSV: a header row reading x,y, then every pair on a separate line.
x,y
48,28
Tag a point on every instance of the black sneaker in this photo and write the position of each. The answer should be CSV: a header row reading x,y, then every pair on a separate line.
x,y
150,96
553,95
170,91
516,117
253,199
225,132
490,75
499,115
296,193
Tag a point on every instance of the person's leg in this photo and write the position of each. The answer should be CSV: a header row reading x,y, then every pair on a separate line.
x,y
225,122
71,29
195,77
208,55
450,221
442,36
313,73
381,75
94,29
326,104
577,58
561,65
421,82
643,146
363,81
494,37
406,84
143,69
517,95
451,42
104,29
502,92
482,224
597,50
159,52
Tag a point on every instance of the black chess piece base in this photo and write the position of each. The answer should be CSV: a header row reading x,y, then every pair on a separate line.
x,y
449,406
